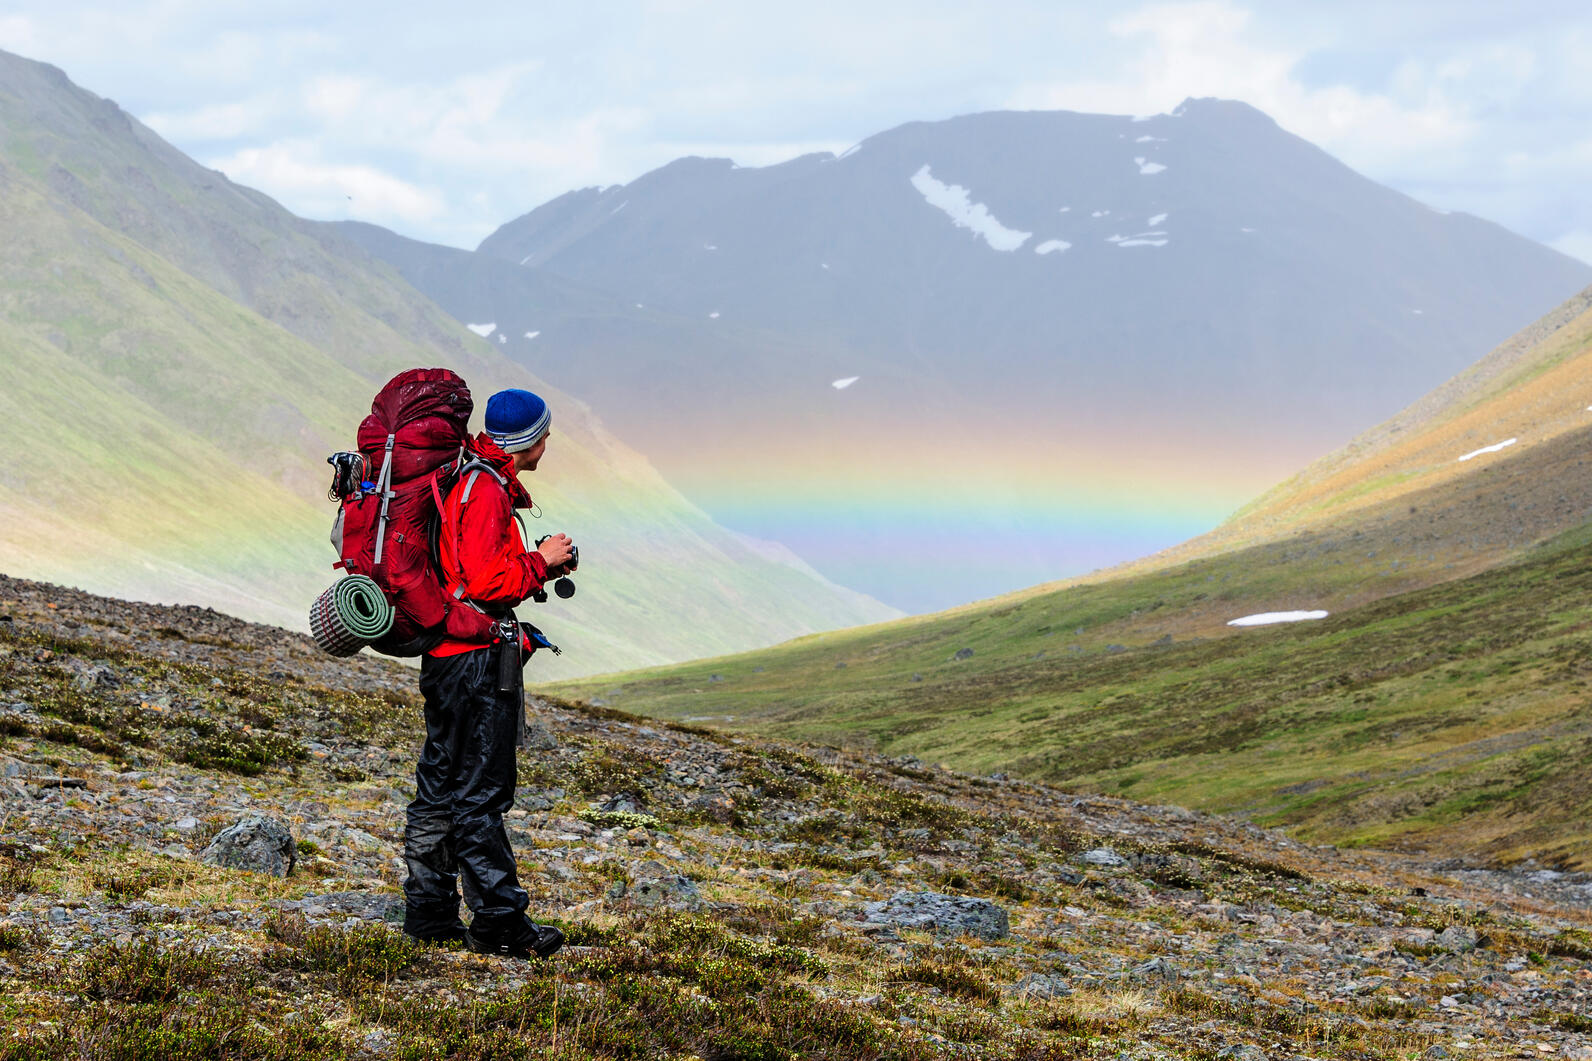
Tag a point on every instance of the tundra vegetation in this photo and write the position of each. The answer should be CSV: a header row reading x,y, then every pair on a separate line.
x,y
724,896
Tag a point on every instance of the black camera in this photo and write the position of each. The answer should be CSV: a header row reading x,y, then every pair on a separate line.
x,y
564,586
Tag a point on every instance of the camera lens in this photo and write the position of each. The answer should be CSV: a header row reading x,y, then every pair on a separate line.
x,y
564,588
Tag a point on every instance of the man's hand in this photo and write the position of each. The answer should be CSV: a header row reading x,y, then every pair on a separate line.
x,y
556,549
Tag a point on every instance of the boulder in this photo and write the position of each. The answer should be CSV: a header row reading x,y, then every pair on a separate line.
x,y
946,915
623,803
1456,939
538,738
1157,970
667,892
257,843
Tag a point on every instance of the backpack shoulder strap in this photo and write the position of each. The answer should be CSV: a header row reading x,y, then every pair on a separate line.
x,y
472,471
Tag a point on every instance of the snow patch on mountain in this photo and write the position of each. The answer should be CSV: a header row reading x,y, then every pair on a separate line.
x,y
1050,246
1148,169
842,384
957,204
532,335
1267,618
483,330
1156,220
1494,448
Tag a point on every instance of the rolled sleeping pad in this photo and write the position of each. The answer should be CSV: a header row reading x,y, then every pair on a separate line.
x,y
351,614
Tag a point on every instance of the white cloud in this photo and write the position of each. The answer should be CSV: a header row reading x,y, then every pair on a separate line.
x,y
221,121
1209,48
17,34
292,171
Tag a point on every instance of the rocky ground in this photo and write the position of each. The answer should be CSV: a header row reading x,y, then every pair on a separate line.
x,y
724,897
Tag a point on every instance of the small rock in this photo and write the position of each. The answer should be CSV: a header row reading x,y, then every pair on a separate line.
x,y
186,824
257,843
360,840
1103,856
1041,985
98,678
962,653
1242,1052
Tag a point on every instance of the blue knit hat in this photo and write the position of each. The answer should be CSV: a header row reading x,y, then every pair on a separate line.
x,y
517,419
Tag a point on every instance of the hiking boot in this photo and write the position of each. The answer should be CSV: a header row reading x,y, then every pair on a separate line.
x,y
524,939
438,936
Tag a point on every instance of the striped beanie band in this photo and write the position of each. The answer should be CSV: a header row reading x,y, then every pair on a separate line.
x,y
517,419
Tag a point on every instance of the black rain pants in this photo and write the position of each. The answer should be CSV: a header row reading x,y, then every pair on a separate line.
x,y
464,783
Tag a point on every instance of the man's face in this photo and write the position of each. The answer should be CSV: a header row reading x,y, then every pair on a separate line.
x,y
526,459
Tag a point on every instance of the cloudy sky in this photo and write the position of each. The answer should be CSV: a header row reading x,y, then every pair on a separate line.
x,y
443,121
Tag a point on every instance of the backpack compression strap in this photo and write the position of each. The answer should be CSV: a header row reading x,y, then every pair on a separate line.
x,y
384,487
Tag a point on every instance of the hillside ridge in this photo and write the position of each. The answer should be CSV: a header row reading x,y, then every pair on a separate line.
x,y
221,347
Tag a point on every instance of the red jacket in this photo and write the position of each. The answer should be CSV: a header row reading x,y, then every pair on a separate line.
x,y
485,557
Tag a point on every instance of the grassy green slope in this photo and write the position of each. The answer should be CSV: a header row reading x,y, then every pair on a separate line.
x,y
1441,704
178,354
1458,715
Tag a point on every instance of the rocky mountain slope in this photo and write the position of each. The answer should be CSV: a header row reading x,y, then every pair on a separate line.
x,y
1036,309
725,897
180,354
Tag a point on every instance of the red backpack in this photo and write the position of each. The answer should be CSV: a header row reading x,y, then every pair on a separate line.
x,y
411,448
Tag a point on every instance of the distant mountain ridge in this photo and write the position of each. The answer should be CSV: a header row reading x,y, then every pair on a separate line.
x,y
180,354
1079,299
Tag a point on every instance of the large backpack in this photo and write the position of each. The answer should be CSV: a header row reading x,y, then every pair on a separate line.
x,y
411,448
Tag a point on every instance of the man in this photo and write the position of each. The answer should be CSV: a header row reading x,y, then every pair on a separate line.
x,y
465,779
